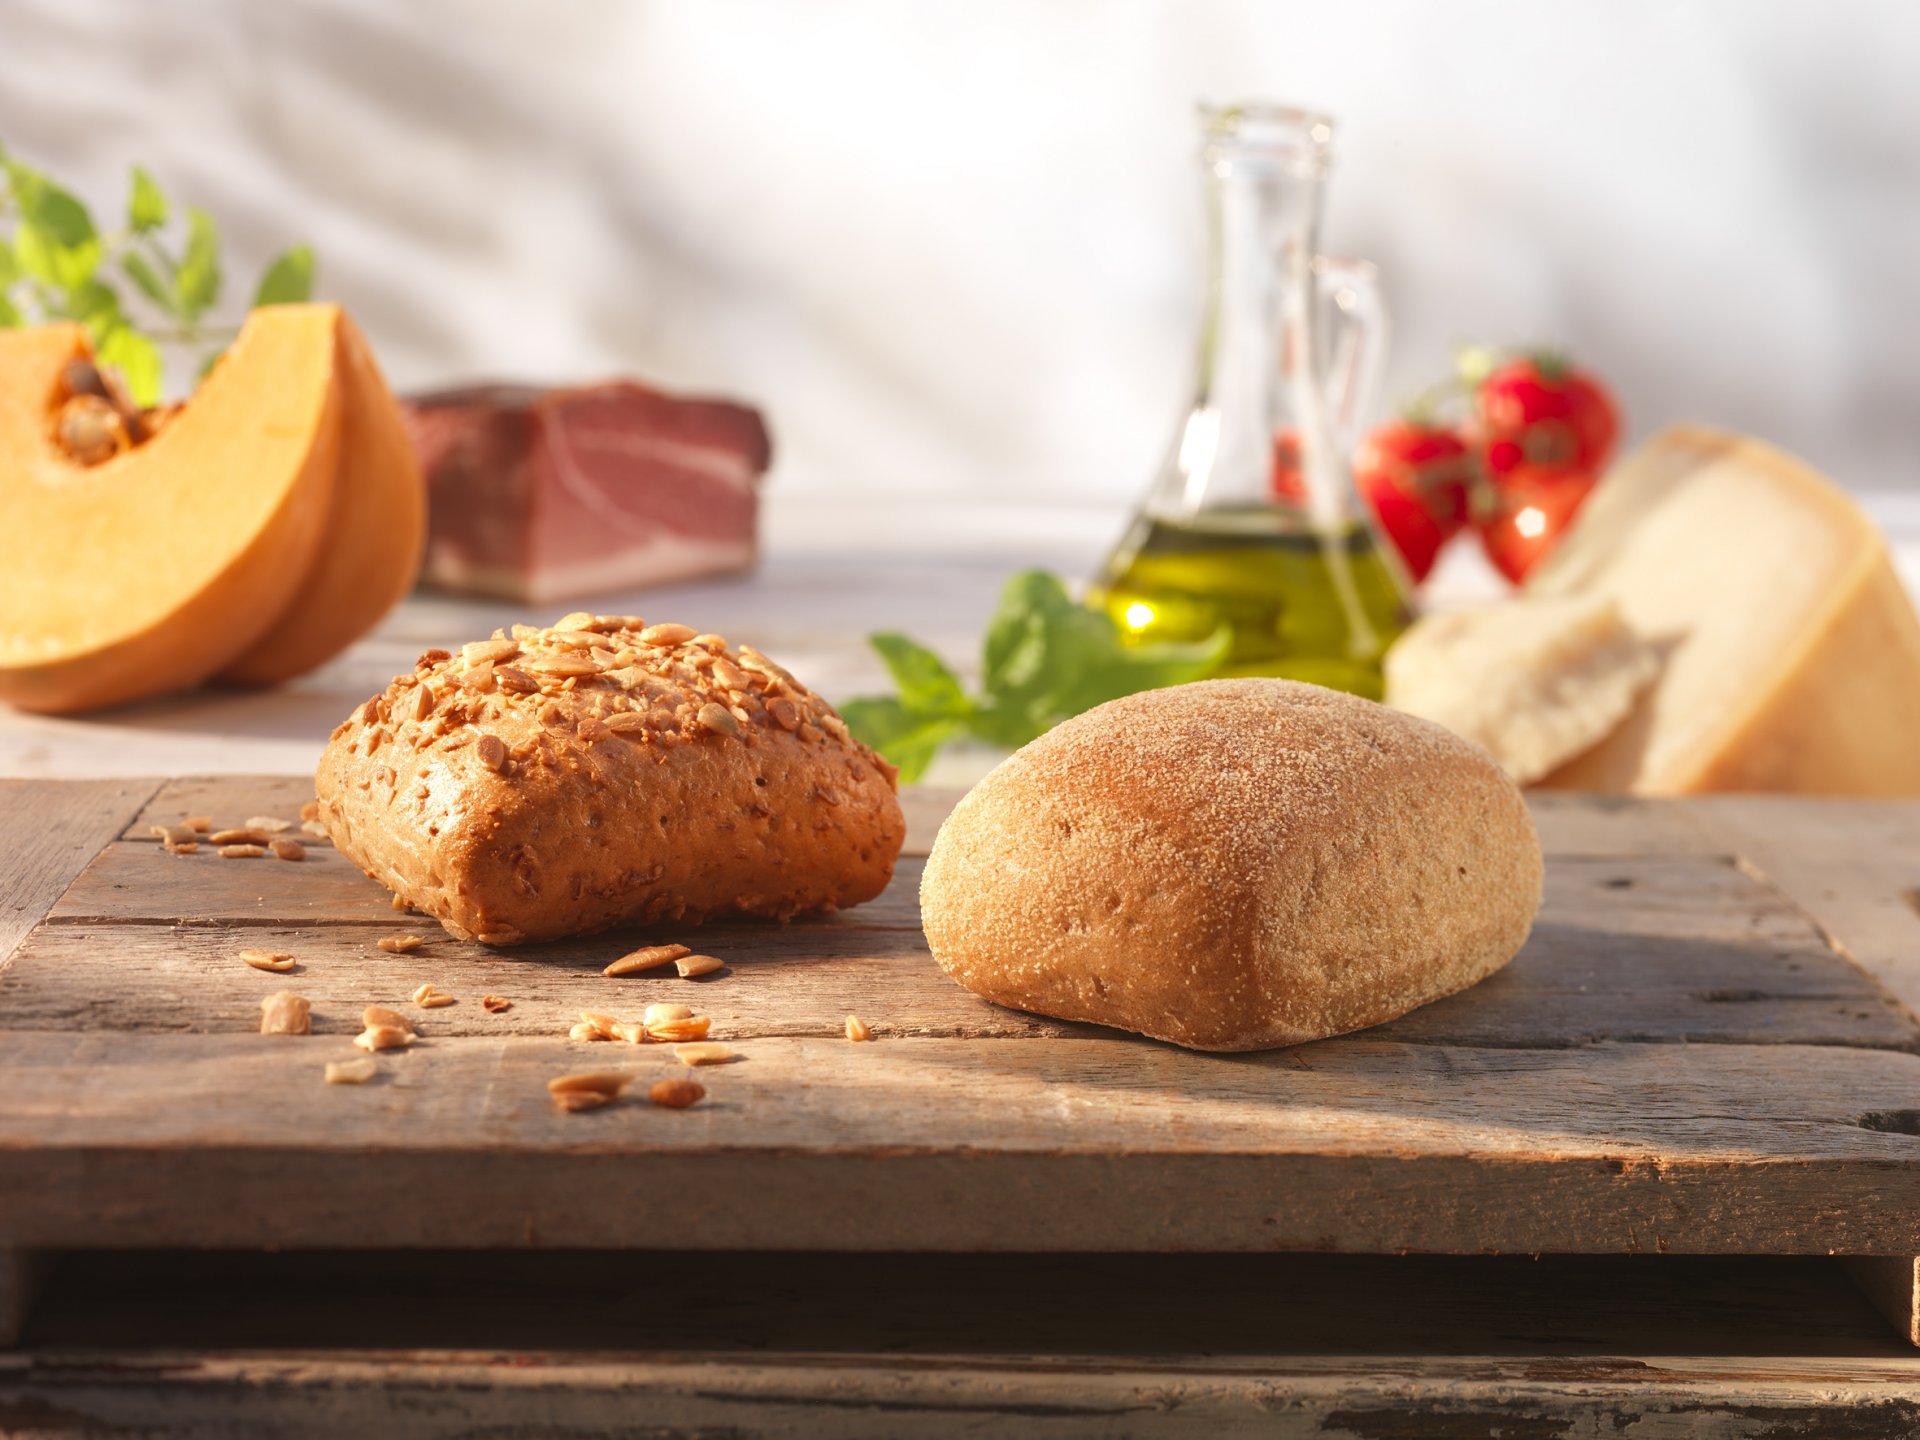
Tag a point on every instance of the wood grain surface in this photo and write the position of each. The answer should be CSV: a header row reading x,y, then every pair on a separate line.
x,y
668,1343
1684,1058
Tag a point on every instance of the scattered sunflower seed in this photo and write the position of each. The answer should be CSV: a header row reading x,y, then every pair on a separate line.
x,y
576,1100
402,904
666,634
400,944
242,852
709,1053
200,824
693,1028
495,1004
677,1093
375,1016
285,1013
584,1031
351,1072
285,849
310,810
492,752
268,824
383,1037
429,998
691,965
649,957
274,960
599,1082
858,1029
238,835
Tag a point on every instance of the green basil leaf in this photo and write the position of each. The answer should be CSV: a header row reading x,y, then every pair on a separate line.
x,y
926,685
908,739
141,272
197,285
137,360
1013,653
44,204
289,279
9,267
96,306
42,254
147,205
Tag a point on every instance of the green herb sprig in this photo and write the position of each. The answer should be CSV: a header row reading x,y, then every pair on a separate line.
x,y
56,264
1044,659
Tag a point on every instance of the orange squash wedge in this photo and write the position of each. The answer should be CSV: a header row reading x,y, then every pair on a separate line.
x,y
267,525
155,570
376,528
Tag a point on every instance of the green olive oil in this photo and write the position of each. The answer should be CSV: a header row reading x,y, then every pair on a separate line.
x,y
1298,602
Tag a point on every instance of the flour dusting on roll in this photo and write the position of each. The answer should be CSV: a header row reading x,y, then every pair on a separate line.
x,y
1232,865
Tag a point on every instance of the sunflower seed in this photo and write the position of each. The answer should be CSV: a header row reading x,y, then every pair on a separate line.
x,y
383,1037
691,965
492,752
677,1093
285,849
400,944
858,1029
268,824
239,836
666,635
495,1004
242,852
649,957
710,1053
351,1072
276,961
375,1016
285,1013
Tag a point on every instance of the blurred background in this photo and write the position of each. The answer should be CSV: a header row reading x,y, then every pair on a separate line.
x,y
952,249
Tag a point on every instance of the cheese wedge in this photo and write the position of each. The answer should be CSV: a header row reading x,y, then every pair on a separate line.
x,y
1790,650
1533,680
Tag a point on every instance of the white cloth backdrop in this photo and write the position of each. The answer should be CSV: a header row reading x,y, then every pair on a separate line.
x,y
951,247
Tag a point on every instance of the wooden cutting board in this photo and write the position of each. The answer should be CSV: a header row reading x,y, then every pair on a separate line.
x,y
1708,1046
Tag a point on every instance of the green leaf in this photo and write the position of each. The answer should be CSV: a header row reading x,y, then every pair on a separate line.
x,y
44,204
289,279
9,316
907,738
926,685
42,254
96,306
136,358
141,272
147,205
197,285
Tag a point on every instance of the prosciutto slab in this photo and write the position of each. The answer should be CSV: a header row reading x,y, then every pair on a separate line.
x,y
548,495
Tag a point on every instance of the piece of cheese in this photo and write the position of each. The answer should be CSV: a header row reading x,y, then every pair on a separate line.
x,y
1533,680
1790,651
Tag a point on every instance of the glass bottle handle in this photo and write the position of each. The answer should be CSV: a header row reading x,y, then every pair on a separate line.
x,y
1353,326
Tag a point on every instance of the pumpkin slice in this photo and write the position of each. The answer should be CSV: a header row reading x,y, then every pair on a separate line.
x,y
370,551
158,568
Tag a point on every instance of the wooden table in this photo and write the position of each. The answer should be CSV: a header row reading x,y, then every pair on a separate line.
x,y
1699,1082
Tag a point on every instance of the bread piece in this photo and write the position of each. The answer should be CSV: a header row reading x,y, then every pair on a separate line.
x,y
1233,865
1533,680
556,782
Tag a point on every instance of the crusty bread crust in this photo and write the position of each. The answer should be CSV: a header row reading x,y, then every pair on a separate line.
x,y
1233,865
557,782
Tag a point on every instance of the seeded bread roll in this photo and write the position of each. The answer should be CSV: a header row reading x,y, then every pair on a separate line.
x,y
1234,865
556,782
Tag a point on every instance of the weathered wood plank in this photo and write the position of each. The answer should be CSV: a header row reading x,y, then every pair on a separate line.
x,y
1673,949
1853,865
1892,1282
428,1395
49,830
1359,1145
229,799
137,880
1597,825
